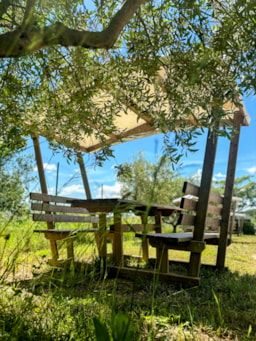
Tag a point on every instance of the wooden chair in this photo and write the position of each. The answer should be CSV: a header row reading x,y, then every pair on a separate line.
x,y
56,209
188,241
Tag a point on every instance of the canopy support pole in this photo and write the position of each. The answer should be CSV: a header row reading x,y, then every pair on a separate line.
x,y
80,161
204,194
100,236
42,179
228,193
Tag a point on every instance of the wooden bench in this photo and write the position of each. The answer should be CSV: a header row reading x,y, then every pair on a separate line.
x,y
186,241
56,209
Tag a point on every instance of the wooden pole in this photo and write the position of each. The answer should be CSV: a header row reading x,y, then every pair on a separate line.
x,y
228,193
80,161
100,237
204,194
40,167
57,179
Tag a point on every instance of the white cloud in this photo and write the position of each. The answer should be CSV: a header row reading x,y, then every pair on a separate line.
x,y
219,176
197,176
72,190
48,167
252,170
107,191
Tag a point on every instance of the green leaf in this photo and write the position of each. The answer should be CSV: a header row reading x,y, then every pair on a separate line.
x,y
101,331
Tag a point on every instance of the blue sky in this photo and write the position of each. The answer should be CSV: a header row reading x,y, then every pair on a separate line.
x,y
103,180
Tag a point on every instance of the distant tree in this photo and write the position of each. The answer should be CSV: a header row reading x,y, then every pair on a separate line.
x,y
244,188
15,178
148,181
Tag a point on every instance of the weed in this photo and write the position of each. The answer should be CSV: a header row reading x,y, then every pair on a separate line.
x,y
75,303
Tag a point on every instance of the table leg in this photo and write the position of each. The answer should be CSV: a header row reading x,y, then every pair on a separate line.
x,y
102,241
118,255
54,249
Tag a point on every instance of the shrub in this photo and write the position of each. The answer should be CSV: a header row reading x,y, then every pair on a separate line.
x,y
248,228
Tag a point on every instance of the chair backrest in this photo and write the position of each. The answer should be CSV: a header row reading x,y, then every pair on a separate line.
x,y
189,203
52,208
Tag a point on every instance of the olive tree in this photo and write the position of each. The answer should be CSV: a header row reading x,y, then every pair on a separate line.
x,y
57,56
148,181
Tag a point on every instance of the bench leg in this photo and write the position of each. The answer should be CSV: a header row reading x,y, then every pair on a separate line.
x,y
144,242
145,253
162,259
70,248
101,241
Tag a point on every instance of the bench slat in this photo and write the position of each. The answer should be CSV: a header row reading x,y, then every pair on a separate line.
x,y
135,228
50,198
179,237
67,231
57,208
64,218
191,189
191,205
55,235
189,220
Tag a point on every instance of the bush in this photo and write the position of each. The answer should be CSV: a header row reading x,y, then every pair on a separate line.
x,y
248,228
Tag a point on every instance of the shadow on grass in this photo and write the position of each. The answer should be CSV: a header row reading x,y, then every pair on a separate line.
x,y
243,242
223,304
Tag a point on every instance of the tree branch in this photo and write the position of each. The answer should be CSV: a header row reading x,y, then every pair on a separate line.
x,y
4,5
28,13
26,41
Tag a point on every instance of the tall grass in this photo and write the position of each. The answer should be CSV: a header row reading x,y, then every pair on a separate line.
x,y
41,303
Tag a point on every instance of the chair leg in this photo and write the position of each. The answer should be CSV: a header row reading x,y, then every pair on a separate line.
x,y
194,264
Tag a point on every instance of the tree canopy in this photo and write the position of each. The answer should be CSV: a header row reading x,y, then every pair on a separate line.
x,y
15,179
148,181
245,189
56,56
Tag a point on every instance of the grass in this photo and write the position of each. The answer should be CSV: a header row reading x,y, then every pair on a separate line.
x,y
40,303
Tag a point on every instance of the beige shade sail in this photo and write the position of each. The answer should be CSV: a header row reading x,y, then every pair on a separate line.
x,y
131,120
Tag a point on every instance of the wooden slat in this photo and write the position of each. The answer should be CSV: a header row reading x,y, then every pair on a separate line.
x,y
188,204
135,228
57,208
67,230
211,223
179,237
49,198
191,205
214,210
186,220
191,189
64,218
53,234
216,198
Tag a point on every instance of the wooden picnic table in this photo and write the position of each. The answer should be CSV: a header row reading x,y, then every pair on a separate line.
x,y
119,207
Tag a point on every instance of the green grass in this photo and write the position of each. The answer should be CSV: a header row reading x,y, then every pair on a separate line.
x,y
38,303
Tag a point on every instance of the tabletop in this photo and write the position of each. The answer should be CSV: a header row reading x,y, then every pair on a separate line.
x,y
124,205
